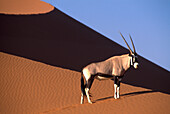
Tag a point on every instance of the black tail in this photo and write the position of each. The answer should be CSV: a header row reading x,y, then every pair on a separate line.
x,y
82,84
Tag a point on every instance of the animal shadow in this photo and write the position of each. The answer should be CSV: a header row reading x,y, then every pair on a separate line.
x,y
128,94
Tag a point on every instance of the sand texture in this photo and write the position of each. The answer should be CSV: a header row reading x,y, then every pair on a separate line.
x,y
28,86
41,59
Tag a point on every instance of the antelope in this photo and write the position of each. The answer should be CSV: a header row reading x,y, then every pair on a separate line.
x,y
112,68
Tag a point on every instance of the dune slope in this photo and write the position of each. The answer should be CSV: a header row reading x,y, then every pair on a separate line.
x,y
42,53
59,40
28,86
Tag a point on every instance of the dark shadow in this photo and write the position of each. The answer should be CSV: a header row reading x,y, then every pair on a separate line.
x,y
59,40
128,94
138,93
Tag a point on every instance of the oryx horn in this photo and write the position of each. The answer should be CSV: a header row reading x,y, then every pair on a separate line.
x,y
126,43
132,43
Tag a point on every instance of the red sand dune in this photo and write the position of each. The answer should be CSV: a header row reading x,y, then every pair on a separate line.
x,y
37,52
28,86
24,7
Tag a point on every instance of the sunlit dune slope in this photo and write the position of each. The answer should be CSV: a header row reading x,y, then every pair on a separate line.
x,y
24,7
28,86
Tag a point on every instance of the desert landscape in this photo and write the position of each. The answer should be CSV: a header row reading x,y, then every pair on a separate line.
x,y
42,53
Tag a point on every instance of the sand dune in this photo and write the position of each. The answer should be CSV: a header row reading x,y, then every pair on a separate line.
x,y
24,7
41,58
59,40
28,86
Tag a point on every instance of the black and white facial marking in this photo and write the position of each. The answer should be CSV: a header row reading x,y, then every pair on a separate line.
x,y
134,60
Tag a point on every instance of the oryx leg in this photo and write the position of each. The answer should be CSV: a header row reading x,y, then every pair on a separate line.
x,y
88,86
115,87
118,88
82,98
89,80
119,79
82,90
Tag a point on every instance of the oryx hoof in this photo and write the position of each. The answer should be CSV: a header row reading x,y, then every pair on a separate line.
x,y
90,102
115,97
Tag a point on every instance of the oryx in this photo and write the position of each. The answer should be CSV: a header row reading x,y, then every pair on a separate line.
x,y
112,68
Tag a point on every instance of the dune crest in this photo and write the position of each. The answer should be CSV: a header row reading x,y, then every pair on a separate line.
x,y
24,7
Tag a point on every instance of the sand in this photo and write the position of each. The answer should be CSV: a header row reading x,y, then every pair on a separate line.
x,y
24,7
41,59
28,86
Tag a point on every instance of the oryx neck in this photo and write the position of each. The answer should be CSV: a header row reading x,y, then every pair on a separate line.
x,y
126,61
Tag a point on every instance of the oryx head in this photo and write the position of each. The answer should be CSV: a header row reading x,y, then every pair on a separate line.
x,y
133,54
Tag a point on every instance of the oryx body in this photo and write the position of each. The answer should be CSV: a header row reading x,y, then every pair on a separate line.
x,y
112,68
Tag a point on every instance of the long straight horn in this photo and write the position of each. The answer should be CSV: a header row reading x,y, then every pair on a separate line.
x,y
132,44
126,43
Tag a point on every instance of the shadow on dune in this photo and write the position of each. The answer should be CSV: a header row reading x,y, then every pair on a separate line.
x,y
57,39
138,93
128,94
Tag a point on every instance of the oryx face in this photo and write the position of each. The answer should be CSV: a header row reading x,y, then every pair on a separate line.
x,y
134,59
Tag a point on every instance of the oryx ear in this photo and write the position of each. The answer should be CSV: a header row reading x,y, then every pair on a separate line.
x,y
126,43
